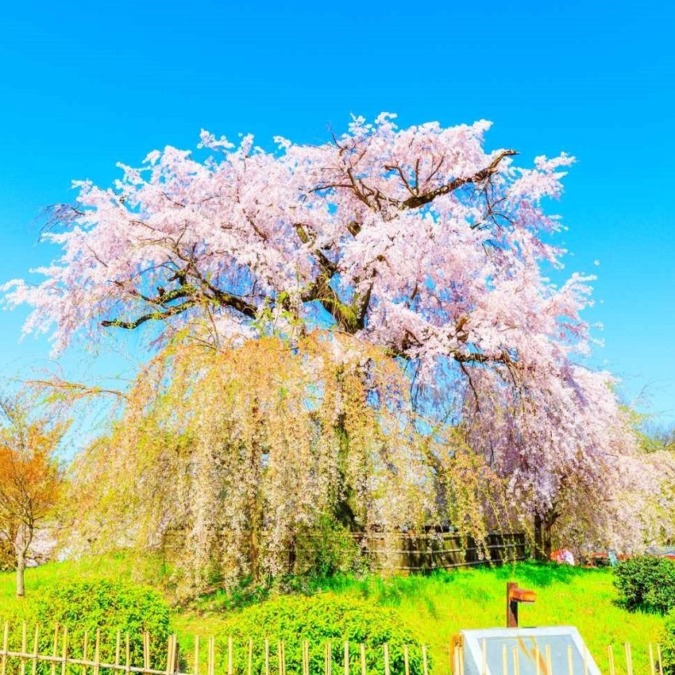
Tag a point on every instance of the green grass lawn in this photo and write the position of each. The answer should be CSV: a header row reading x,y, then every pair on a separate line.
x,y
435,606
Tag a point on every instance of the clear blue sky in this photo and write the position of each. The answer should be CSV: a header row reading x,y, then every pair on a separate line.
x,y
87,84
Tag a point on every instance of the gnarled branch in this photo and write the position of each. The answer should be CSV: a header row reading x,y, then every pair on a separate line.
x,y
416,201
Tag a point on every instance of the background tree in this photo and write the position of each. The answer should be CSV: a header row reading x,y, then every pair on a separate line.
x,y
30,477
659,438
658,447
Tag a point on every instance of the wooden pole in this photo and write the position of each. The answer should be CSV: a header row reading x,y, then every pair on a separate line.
x,y
169,651
24,647
629,659
511,606
250,657
305,657
652,665
64,659
36,642
5,647
97,652
146,650
610,654
230,656
127,653
85,651
328,659
212,656
55,647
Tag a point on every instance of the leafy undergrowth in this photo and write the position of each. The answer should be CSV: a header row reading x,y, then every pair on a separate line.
x,y
435,606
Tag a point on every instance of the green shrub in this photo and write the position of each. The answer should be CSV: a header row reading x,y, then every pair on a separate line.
x,y
111,608
325,549
320,619
668,644
646,582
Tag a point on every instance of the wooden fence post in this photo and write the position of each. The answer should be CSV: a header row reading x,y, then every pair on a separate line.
x,y
64,659
24,647
5,649
36,648
97,652
610,654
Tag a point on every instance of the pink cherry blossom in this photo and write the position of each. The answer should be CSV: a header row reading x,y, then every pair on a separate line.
x,y
418,240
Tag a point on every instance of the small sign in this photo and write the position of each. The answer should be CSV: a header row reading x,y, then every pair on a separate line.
x,y
526,651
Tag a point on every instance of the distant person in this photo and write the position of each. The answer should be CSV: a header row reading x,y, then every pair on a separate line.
x,y
563,556
567,557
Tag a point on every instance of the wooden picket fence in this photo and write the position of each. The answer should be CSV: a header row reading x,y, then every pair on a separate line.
x,y
28,658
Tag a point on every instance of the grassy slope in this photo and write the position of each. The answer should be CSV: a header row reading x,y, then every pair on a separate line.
x,y
436,606
133,568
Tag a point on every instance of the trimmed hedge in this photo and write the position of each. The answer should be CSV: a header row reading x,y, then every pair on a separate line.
x,y
320,619
109,607
646,582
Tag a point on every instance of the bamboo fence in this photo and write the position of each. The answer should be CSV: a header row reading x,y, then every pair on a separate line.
x,y
29,657
401,552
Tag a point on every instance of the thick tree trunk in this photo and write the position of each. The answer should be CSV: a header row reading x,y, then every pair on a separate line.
x,y
292,556
538,538
20,569
343,510
548,526
543,526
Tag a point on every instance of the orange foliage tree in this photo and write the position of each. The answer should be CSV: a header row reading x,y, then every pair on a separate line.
x,y
30,476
